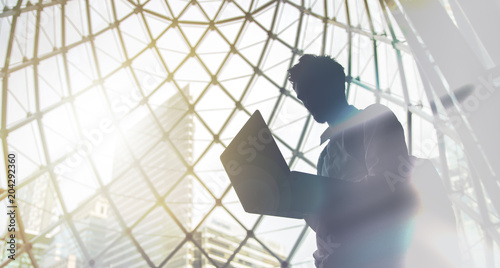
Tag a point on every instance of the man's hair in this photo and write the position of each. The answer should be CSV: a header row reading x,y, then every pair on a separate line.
x,y
313,69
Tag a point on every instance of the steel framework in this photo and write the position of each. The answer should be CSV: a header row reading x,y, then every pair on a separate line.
x,y
399,71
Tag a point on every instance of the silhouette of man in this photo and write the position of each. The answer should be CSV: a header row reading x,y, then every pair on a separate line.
x,y
369,225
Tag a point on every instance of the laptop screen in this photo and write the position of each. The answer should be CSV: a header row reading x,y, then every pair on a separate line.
x,y
253,159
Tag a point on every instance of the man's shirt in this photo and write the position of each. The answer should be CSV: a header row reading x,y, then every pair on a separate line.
x,y
364,146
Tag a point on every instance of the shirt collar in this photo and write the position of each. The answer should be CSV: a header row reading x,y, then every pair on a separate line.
x,y
340,123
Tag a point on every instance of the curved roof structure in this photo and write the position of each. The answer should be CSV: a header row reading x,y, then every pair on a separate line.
x,y
117,111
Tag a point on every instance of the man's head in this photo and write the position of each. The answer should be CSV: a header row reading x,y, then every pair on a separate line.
x,y
319,82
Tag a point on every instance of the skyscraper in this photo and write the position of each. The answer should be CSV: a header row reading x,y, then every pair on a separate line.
x,y
158,174
159,146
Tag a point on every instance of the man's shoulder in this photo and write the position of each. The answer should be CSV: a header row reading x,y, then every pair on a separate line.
x,y
369,117
376,112
377,109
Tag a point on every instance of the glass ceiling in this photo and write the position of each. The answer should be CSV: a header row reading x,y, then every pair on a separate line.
x,y
119,110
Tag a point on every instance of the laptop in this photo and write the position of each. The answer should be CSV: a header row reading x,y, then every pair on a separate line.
x,y
262,179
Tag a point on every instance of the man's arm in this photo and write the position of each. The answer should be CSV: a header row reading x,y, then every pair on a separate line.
x,y
388,167
386,156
